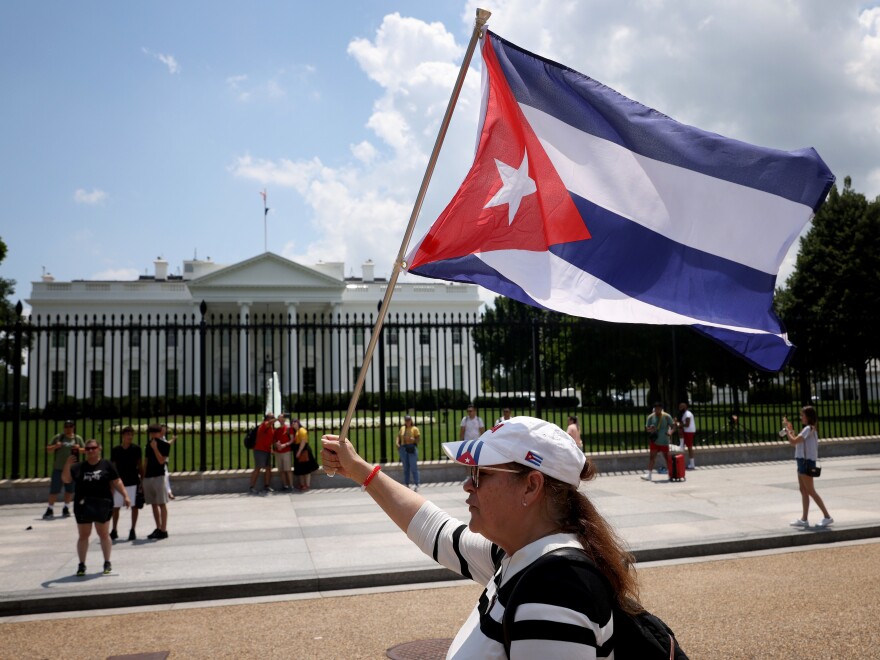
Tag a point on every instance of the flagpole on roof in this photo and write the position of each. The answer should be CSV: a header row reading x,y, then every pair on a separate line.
x,y
399,264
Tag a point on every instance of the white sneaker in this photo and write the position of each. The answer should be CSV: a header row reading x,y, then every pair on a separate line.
x,y
799,523
826,522
647,477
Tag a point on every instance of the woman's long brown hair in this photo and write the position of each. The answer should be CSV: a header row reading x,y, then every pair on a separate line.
x,y
575,514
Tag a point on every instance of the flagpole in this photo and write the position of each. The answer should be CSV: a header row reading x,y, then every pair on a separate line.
x,y
399,264
265,218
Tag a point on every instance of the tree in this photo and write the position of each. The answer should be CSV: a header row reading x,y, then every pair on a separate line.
x,y
831,300
7,318
7,288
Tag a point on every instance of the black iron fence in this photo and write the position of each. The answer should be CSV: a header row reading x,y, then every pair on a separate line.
x,y
210,378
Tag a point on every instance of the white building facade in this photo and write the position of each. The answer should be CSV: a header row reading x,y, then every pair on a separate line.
x,y
264,315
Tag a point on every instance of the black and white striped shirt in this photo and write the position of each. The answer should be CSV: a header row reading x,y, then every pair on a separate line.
x,y
562,613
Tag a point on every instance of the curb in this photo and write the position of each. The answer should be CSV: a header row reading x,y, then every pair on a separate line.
x,y
104,600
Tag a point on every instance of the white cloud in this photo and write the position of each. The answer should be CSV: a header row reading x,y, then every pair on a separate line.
x,y
865,66
168,60
116,274
769,72
95,196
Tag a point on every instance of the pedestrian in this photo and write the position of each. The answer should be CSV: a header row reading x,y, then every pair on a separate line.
x,y
687,426
408,447
94,481
659,427
170,442
62,446
505,415
304,462
806,453
263,454
126,459
472,427
524,502
283,443
574,431
153,479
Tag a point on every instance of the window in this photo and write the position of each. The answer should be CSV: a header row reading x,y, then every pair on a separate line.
x,y
171,338
225,338
456,336
58,339
309,379
426,376
134,382
355,372
309,337
457,377
225,380
171,382
393,381
59,384
424,336
96,381
134,339
97,339
357,338
393,336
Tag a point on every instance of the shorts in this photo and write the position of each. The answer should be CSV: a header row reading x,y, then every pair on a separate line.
x,y
92,510
659,448
688,439
154,490
282,461
262,459
118,502
55,484
803,464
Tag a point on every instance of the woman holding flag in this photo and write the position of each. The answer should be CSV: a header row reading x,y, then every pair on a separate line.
x,y
523,498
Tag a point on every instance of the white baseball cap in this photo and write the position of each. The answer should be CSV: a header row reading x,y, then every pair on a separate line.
x,y
529,441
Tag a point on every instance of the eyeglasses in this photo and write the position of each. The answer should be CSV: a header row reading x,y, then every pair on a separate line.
x,y
90,448
475,473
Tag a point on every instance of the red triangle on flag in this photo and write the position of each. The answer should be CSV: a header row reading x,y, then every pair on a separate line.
x,y
545,217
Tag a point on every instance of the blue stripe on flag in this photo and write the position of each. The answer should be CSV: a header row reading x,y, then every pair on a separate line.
x,y
800,176
654,269
760,350
473,270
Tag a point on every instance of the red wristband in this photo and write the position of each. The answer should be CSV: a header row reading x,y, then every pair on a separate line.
x,y
371,477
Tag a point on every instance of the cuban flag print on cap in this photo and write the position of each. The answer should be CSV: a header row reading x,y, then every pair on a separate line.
x,y
534,459
585,202
469,452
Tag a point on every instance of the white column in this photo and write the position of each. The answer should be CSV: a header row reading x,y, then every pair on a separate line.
x,y
191,381
291,377
244,380
334,356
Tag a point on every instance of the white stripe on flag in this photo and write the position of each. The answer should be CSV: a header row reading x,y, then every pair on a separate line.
x,y
726,219
560,286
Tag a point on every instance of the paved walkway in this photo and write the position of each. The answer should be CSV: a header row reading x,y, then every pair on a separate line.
x,y
227,546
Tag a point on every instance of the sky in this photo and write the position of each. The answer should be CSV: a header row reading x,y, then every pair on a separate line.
x,y
136,130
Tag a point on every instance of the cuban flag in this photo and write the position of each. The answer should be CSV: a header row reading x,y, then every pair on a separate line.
x,y
585,202
534,459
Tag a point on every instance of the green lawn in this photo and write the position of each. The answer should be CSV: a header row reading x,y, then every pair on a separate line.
x,y
611,430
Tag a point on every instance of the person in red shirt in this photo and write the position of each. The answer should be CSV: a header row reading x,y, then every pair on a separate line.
x,y
263,454
283,441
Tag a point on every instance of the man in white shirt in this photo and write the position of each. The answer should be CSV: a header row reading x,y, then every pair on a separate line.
x,y
472,427
688,428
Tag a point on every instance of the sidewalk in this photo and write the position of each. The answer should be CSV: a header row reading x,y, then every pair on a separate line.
x,y
234,545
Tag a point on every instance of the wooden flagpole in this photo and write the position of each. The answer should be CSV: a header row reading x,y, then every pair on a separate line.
x,y
399,264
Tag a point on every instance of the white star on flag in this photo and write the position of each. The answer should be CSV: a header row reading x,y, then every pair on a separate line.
x,y
516,184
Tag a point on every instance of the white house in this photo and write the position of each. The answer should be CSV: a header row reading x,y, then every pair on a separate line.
x,y
265,314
